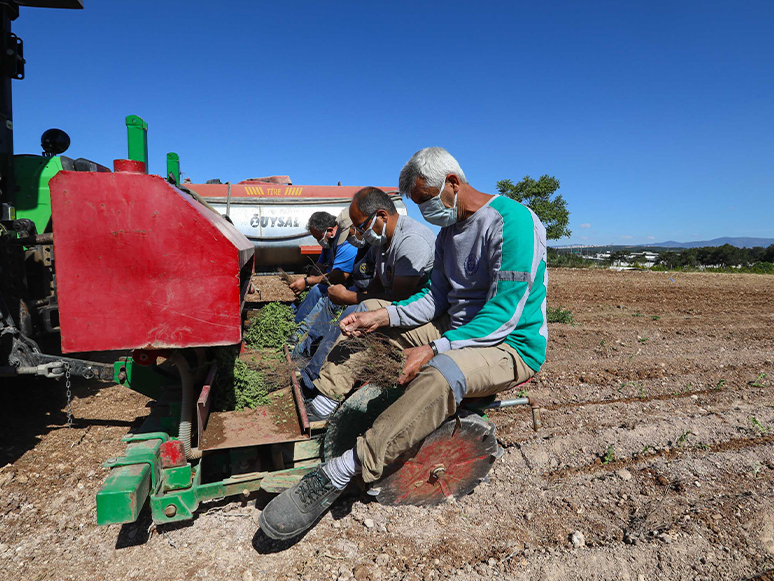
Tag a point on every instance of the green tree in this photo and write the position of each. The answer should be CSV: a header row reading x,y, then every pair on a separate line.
x,y
538,195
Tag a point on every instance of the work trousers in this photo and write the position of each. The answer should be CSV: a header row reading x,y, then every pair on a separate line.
x,y
317,323
430,398
317,292
312,369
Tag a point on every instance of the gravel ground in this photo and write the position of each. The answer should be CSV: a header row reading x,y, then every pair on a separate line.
x,y
656,461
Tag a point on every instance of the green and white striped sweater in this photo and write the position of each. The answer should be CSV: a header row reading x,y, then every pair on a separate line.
x,y
490,275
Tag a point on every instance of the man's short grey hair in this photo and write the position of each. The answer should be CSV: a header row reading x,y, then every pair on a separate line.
x,y
321,221
432,164
370,200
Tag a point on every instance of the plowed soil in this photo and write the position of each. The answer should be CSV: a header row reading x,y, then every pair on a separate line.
x,y
655,461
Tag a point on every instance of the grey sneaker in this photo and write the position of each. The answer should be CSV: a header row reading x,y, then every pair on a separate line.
x,y
298,508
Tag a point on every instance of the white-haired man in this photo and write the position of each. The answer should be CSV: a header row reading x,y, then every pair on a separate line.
x,y
479,328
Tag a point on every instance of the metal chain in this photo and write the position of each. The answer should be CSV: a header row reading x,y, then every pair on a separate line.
x,y
69,396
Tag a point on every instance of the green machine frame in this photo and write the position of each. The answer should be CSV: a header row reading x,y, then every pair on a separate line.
x,y
175,490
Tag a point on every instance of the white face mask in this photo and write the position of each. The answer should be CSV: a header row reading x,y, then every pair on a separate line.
x,y
434,211
356,242
372,237
324,242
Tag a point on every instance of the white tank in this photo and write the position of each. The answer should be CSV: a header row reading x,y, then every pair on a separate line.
x,y
274,216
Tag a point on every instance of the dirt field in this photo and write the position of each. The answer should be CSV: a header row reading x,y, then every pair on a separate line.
x,y
656,461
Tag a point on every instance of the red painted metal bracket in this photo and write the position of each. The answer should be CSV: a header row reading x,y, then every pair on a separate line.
x,y
203,404
298,396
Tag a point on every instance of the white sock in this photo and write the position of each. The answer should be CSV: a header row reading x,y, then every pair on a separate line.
x,y
323,406
341,470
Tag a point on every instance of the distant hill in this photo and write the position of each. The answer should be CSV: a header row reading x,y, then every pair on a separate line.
x,y
739,242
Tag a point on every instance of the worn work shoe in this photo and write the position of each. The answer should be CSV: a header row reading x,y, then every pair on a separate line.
x,y
298,508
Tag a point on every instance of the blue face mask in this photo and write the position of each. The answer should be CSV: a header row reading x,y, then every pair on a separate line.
x,y
434,211
373,238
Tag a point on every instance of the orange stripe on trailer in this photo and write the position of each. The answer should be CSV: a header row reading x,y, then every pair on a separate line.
x,y
278,191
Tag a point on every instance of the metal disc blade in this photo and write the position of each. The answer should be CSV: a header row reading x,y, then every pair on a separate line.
x,y
449,462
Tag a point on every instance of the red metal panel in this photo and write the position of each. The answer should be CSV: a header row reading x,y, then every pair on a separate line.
x,y
310,250
142,265
266,190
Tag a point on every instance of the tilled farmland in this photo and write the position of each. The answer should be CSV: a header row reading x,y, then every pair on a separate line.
x,y
655,461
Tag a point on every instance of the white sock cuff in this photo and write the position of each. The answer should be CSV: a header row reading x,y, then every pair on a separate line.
x,y
323,406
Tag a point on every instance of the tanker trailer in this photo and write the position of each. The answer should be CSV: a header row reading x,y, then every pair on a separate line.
x,y
272,213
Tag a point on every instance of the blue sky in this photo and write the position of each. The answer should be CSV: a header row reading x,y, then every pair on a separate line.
x,y
658,117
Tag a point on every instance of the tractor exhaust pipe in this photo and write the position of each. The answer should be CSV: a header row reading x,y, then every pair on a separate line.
x,y
186,406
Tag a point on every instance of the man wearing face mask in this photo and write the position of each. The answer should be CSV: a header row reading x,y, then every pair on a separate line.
x,y
335,263
477,329
403,251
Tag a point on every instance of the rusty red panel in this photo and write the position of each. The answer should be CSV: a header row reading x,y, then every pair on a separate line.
x,y
270,190
142,265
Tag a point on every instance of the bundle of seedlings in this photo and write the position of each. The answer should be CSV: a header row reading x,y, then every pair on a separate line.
x,y
288,280
271,327
379,361
245,380
285,277
239,386
274,366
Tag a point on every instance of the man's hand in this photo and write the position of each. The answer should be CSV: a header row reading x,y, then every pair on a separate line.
x,y
416,357
358,324
338,294
298,286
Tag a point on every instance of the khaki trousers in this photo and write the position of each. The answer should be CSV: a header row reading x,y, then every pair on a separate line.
x,y
430,398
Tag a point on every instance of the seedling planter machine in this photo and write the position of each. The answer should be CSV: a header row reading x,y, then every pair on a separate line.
x,y
272,446
149,271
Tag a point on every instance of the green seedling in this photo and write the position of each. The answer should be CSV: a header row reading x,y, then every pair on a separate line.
x,y
759,381
637,314
686,389
655,317
684,438
522,393
721,383
609,455
647,449
756,424
560,315
642,339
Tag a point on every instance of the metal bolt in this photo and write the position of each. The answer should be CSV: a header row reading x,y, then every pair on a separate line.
x,y
438,472
170,511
